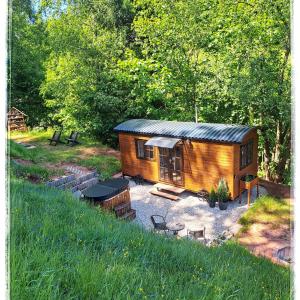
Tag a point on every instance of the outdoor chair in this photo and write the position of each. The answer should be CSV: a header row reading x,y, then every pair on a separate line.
x,y
138,179
72,140
198,234
159,223
55,138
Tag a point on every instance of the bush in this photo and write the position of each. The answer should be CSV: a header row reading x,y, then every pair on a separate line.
x,y
213,197
222,190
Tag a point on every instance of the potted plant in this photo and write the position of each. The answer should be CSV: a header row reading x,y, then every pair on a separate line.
x,y
223,194
212,198
248,181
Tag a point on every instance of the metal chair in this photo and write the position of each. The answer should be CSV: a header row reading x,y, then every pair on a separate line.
x,y
159,223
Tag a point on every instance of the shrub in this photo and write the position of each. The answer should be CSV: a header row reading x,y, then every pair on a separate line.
x,y
222,190
213,197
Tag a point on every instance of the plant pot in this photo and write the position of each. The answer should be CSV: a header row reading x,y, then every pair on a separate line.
x,y
223,205
212,204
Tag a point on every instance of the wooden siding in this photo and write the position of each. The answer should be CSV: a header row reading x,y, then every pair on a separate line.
x,y
250,169
111,203
204,163
131,165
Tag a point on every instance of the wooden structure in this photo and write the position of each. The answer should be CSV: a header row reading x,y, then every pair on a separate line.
x,y
120,204
188,155
55,138
248,185
112,195
72,140
16,120
167,191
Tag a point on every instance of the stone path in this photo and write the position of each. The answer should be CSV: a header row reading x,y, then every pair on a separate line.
x,y
190,210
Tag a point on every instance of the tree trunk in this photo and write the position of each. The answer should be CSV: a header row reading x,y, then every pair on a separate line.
x,y
283,157
267,157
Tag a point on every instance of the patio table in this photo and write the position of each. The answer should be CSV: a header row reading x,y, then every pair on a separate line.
x,y
175,227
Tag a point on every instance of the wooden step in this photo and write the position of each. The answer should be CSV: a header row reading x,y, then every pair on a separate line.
x,y
169,188
163,194
122,209
118,175
122,206
130,215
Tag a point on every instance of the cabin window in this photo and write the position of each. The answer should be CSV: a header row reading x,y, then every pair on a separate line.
x,y
143,151
246,154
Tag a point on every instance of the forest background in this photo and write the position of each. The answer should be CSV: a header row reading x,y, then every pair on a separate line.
x,y
89,65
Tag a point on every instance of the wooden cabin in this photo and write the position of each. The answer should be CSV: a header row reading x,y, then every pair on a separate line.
x,y
16,120
190,155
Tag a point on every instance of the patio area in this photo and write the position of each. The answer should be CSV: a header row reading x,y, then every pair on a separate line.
x,y
192,211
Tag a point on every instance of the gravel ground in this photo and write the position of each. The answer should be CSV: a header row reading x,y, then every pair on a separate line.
x,y
190,210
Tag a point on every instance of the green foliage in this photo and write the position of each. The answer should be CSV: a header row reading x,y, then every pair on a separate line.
x,y
60,247
28,52
19,151
222,190
43,153
92,64
32,172
267,209
213,196
106,166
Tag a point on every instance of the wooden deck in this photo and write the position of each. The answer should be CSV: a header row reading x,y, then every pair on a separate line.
x,y
165,195
169,188
167,191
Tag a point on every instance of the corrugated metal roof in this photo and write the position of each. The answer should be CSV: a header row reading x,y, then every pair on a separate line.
x,y
189,130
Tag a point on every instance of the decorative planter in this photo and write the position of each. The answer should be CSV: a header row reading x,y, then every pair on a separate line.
x,y
223,205
247,183
212,204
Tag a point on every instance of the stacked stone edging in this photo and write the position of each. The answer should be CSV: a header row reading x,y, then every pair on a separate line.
x,y
75,185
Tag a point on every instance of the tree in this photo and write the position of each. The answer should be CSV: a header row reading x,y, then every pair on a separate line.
x,y
27,45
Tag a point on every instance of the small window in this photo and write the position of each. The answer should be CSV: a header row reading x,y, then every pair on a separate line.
x,y
246,154
143,151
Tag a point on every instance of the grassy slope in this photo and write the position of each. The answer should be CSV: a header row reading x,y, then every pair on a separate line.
x,y
64,249
105,165
267,209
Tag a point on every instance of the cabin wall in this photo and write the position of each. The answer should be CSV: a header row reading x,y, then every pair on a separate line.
x,y
131,165
252,168
203,163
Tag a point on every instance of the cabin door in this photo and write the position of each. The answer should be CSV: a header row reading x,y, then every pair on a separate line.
x,y
170,165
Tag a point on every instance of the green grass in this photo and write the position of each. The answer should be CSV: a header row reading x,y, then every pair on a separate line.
x,y
105,165
267,209
60,248
36,155
43,153
33,171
